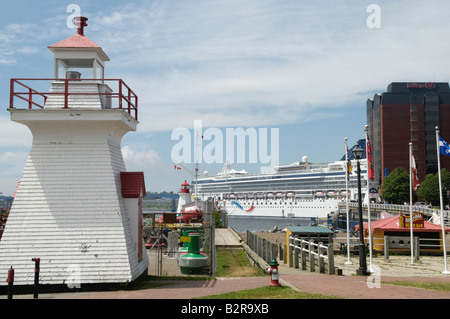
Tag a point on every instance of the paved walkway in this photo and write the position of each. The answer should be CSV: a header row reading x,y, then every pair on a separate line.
x,y
351,287
347,286
355,287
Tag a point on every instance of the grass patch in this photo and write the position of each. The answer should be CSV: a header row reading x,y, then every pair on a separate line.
x,y
235,263
439,286
282,292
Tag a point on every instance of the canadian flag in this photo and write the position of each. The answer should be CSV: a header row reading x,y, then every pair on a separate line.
x,y
415,179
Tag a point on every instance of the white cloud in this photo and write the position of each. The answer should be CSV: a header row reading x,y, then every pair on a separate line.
x,y
13,163
253,63
13,134
12,156
140,159
237,63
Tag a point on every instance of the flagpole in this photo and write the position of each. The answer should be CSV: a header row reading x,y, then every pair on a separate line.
x,y
410,203
348,262
369,217
445,272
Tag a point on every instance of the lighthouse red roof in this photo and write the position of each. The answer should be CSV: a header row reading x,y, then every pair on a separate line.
x,y
75,41
184,188
79,40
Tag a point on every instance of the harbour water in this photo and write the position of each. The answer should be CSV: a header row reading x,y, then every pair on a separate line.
x,y
242,224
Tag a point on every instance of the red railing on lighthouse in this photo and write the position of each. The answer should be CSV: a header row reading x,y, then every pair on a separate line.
x,y
21,91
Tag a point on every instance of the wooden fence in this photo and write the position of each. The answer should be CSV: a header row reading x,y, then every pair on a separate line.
x,y
264,248
309,254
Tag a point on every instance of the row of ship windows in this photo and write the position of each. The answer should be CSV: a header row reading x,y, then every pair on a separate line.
x,y
280,187
282,203
276,206
291,185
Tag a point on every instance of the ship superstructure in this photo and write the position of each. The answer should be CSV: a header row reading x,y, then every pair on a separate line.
x,y
300,189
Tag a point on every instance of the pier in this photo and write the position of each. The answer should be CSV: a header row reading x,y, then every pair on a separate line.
x,y
226,238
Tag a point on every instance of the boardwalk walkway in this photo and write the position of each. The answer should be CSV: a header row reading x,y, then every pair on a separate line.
x,y
225,238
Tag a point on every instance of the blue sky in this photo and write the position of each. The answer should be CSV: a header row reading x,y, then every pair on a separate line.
x,y
304,67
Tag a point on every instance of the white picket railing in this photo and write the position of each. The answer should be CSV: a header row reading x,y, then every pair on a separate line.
x,y
306,253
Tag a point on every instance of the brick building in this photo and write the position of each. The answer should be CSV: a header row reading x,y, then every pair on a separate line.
x,y
408,112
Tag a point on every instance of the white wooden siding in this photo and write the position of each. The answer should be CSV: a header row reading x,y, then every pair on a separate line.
x,y
69,212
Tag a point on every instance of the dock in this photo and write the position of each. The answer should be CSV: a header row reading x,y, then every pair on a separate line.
x,y
226,238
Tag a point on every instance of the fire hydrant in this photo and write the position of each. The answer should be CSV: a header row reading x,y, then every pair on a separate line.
x,y
273,271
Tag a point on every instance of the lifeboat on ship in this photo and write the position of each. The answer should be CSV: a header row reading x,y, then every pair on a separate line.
x,y
320,194
343,193
332,194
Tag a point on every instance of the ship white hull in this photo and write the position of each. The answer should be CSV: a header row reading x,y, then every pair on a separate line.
x,y
322,208
297,190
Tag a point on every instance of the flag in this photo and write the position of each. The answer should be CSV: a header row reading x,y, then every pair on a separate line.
x,y
444,148
176,167
349,164
369,159
415,178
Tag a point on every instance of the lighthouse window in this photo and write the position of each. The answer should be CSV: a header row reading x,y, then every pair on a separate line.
x,y
86,67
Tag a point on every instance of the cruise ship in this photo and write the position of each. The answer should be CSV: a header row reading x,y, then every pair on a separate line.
x,y
301,189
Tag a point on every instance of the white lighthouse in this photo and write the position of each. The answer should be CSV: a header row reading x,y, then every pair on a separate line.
x,y
77,209
185,196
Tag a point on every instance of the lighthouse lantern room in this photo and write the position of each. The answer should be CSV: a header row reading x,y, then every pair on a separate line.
x,y
78,56
73,208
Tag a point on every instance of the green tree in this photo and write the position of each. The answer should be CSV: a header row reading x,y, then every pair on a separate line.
x,y
429,188
395,188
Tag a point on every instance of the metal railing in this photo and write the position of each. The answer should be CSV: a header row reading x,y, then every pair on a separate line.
x,y
397,208
19,88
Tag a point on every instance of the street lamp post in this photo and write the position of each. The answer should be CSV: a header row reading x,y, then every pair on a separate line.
x,y
362,270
